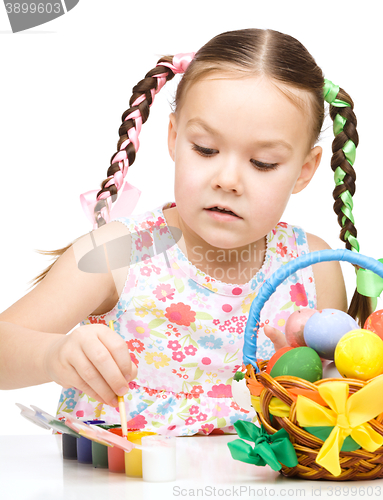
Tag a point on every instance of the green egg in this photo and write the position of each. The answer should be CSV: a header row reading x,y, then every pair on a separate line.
x,y
302,362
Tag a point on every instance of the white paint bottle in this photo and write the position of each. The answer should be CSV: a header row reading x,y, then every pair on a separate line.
x,y
158,458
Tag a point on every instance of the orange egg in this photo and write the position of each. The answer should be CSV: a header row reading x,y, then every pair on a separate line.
x,y
274,358
374,323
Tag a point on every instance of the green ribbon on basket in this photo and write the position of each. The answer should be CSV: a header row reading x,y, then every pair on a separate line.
x,y
324,432
269,449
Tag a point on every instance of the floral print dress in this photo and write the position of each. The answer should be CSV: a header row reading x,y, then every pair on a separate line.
x,y
185,331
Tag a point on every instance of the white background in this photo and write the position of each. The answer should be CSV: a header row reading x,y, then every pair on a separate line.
x,y
65,84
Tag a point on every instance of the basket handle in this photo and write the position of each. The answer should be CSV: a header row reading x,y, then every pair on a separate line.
x,y
270,285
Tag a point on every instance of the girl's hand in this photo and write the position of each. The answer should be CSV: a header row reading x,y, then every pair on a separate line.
x,y
93,359
276,337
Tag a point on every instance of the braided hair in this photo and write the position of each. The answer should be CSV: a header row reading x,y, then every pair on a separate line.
x,y
132,119
344,148
128,143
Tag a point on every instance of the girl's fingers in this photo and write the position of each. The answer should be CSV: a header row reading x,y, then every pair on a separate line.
x,y
95,359
81,385
72,378
102,372
91,377
276,336
120,353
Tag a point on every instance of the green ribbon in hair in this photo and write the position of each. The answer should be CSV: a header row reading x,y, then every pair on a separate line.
x,y
330,92
368,283
348,203
269,449
339,123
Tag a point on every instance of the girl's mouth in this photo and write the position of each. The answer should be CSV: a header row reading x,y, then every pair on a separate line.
x,y
223,214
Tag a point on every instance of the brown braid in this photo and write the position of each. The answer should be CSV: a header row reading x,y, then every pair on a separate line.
x,y
143,87
360,307
339,160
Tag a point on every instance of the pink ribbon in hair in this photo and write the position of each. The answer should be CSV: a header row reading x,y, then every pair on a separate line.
x,y
180,62
124,206
128,197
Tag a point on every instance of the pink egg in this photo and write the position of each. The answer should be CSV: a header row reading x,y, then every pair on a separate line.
x,y
295,325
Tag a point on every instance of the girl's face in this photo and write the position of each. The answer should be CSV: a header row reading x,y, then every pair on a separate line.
x,y
238,144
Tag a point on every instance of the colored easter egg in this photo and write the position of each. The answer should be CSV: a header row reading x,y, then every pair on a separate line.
x,y
374,323
241,394
295,325
330,371
325,328
274,358
359,354
302,362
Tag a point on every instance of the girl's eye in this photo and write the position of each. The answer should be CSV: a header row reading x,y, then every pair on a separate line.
x,y
264,166
207,152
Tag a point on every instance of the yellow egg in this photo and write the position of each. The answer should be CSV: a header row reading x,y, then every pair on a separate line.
x,y
359,354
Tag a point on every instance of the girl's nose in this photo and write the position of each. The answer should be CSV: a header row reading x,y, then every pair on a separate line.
x,y
228,177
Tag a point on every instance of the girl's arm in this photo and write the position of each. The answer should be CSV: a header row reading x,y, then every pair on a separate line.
x,y
34,346
329,282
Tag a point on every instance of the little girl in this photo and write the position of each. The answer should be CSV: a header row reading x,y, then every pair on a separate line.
x,y
177,281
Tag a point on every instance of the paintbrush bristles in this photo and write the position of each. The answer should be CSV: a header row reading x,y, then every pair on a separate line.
x,y
121,406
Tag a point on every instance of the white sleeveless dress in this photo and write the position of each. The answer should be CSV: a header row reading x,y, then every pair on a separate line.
x,y
185,331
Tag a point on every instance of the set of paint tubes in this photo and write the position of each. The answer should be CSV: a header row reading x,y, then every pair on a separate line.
x,y
139,454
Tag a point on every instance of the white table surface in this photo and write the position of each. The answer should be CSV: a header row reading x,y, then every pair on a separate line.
x,y
32,467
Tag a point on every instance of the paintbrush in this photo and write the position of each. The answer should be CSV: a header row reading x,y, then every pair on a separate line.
x,y
121,403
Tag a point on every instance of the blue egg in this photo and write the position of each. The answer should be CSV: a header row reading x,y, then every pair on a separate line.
x,y
325,328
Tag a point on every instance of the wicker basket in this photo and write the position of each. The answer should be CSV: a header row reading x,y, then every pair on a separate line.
x,y
355,465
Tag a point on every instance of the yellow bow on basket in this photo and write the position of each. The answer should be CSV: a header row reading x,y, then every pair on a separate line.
x,y
348,415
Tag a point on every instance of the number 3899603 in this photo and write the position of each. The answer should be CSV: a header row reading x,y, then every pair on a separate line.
x,y
34,8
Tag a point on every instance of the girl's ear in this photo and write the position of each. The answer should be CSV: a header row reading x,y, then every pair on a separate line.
x,y
308,170
172,135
